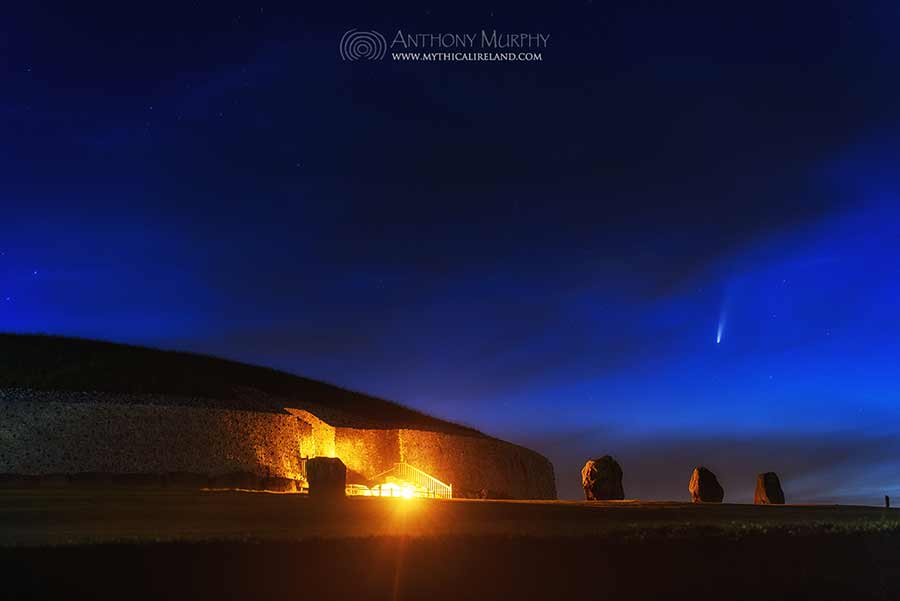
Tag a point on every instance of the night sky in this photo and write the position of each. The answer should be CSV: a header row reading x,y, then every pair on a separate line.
x,y
547,251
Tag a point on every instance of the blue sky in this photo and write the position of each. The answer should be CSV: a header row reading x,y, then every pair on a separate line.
x,y
542,251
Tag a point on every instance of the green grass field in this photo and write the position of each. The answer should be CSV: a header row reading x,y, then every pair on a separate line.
x,y
198,545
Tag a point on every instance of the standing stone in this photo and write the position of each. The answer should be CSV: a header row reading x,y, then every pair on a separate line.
x,y
327,477
602,479
768,490
705,487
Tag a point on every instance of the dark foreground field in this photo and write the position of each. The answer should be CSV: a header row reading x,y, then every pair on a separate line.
x,y
90,544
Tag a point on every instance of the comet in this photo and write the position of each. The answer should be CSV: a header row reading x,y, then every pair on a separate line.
x,y
721,328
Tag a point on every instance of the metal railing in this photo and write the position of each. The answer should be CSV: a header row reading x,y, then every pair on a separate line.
x,y
424,483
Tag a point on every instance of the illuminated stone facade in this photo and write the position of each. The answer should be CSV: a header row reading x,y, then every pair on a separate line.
x,y
65,433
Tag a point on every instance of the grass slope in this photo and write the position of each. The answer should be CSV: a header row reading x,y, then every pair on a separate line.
x,y
78,365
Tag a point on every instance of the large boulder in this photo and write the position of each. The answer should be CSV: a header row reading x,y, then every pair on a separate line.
x,y
327,477
602,479
768,490
705,487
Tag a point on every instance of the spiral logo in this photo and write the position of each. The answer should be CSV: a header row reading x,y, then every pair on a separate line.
x,y
366,45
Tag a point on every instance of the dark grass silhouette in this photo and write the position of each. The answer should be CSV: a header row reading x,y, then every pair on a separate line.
x,y
72,364
39,517
105,544
770,566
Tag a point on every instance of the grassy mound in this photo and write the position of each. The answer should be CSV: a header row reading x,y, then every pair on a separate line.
x,y
77,365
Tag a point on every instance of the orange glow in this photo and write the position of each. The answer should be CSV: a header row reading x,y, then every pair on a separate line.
x,y
358,490
406,481
398,490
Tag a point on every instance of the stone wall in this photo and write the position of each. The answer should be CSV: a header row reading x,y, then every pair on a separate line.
x,y
64,438
41,433
474,465
319,439
367,452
